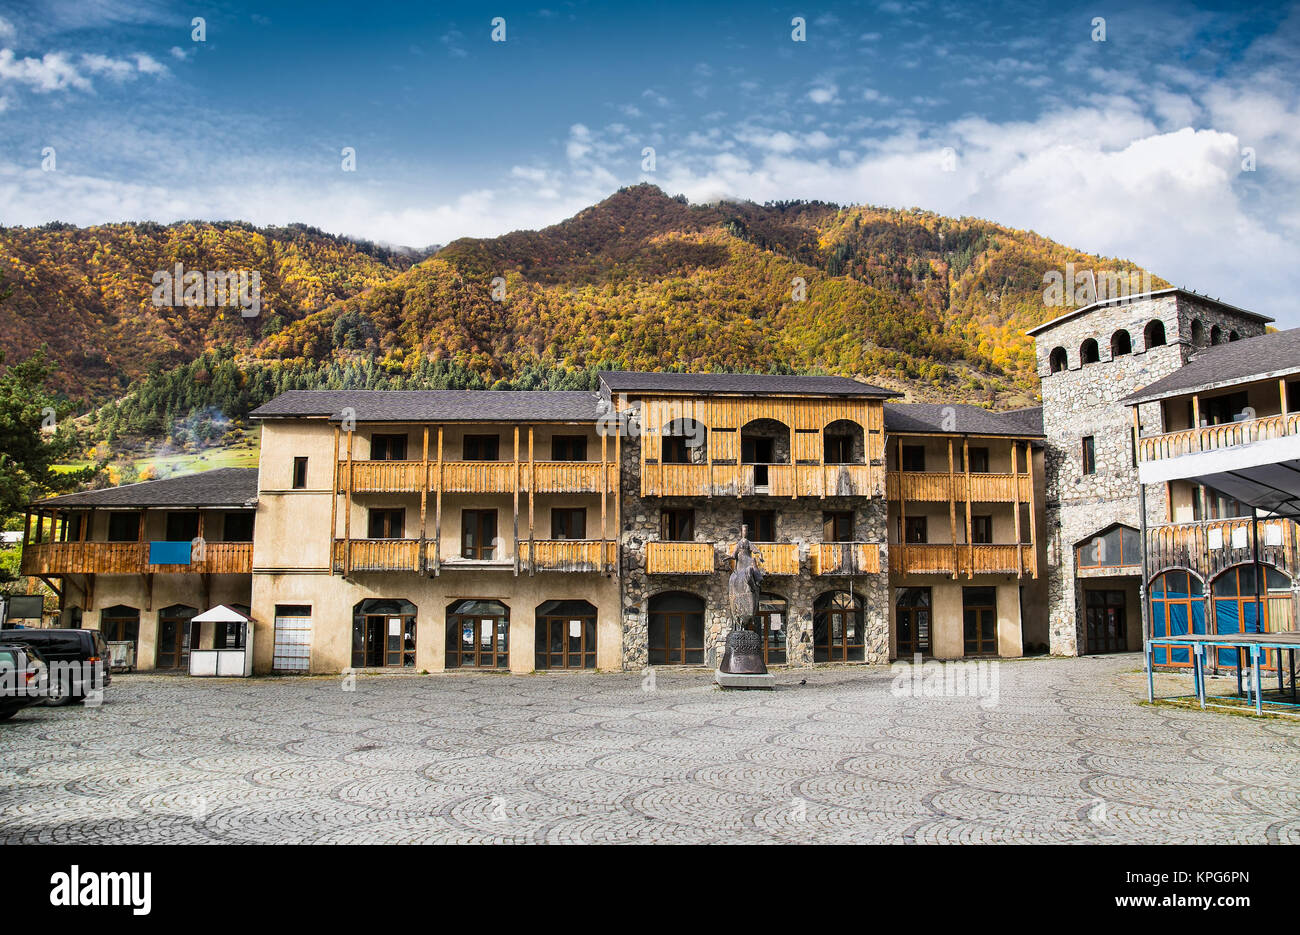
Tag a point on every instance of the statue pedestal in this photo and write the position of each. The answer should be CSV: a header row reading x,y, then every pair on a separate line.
x,y
742,663
734,680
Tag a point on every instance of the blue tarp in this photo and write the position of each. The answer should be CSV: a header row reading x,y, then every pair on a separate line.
x,y
169,553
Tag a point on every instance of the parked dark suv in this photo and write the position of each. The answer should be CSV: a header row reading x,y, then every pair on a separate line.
x,y
24,678
78,660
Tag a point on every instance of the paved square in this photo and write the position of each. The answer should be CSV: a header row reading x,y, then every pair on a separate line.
x,y
1066,755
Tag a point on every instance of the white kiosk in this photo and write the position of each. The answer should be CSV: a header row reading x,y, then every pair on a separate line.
x,y
223,650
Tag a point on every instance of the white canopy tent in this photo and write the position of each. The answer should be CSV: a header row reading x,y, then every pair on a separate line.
x,y
215,656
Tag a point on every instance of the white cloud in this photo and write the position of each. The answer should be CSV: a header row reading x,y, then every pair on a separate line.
x,y
7,30
824,94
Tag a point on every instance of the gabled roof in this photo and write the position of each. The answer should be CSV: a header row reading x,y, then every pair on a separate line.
x,y
434,405
1262,357
745,384
1130,299
962,419
222,487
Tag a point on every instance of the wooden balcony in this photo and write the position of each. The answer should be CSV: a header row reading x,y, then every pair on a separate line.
x,y
478,476
131,558
940,487
1209,547
679,558
961,559
741,480
580,555
844,558
1217,437
779,558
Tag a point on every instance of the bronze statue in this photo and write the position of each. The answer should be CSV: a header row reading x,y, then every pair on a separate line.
x,y
743,654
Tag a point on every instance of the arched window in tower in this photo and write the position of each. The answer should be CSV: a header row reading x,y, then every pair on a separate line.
x,y
1058,360
1216,335
1155,334
1088,352
1120,343
1198,332
1233,336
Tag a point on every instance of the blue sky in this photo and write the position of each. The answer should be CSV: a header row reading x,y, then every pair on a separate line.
x,y
1134,147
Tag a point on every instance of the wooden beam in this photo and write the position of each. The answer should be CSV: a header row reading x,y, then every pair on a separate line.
x,y
952,500
618,502
347,515
532,489
58,591
420,561
1015,483
970,544
516,500
437,513
90,592
1281,390
334,500
1033,508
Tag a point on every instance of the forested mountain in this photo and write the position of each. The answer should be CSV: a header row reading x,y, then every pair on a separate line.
x,y
909,299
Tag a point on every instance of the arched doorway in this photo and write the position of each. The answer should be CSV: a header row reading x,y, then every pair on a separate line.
x,y
764,442
771,626
478,635
843,442
174,636
1238,610
676,629
1177,608
120,624
912,622
383,633
839,628
683,441
565,636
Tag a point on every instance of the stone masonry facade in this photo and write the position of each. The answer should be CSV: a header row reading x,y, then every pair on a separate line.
x,y
1085,399
718,520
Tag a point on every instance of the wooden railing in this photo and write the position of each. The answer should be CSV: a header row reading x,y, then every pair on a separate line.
x,y
844,558
947,559
477,476
935,487
679,558
1210,546
130,558
377,554
738,480
1216,437
779,558
569,554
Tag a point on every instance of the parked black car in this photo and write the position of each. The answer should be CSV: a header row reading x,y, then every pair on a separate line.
x,y
78,660
24,678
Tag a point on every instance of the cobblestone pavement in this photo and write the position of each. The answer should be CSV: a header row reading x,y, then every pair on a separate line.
x,y
1066,755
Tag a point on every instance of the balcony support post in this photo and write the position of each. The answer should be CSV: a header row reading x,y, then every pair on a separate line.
x,y
1033,508
1145,587
90,592
347,515
902,517
1015,509
516,501
532,490
334,500
437,512
421,560
952,502
27,527
618,498
604,490
1256,568
970,541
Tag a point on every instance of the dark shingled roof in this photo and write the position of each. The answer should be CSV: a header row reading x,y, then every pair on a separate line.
x,y
961,419
1257,358
633,381
230,487
435,405
1130,299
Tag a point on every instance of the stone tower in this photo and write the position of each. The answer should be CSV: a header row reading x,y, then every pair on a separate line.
x,y
1088,360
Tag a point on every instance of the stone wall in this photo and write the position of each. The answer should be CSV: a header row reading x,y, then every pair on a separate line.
x,y
718,520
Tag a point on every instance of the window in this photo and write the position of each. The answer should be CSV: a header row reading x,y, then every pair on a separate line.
x,y
568,523
837,526
675,450
299,473
1216,335
238,527
980,621
838,628
386,524
916,530
182,527
1198,331
677,525
1155,333
1221,410
761,523
478,533
981,530
676,630
482,448
478,634
569,448
1293,396
71,528
837,449
912,614
1088,352
1089,451
1177,608
683,442
1120,343
124,527
979,460
1233,336
383,633
388,448
913,457
770,625
1058,360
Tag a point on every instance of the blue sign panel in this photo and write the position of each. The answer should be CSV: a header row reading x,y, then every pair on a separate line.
x,y
169,553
